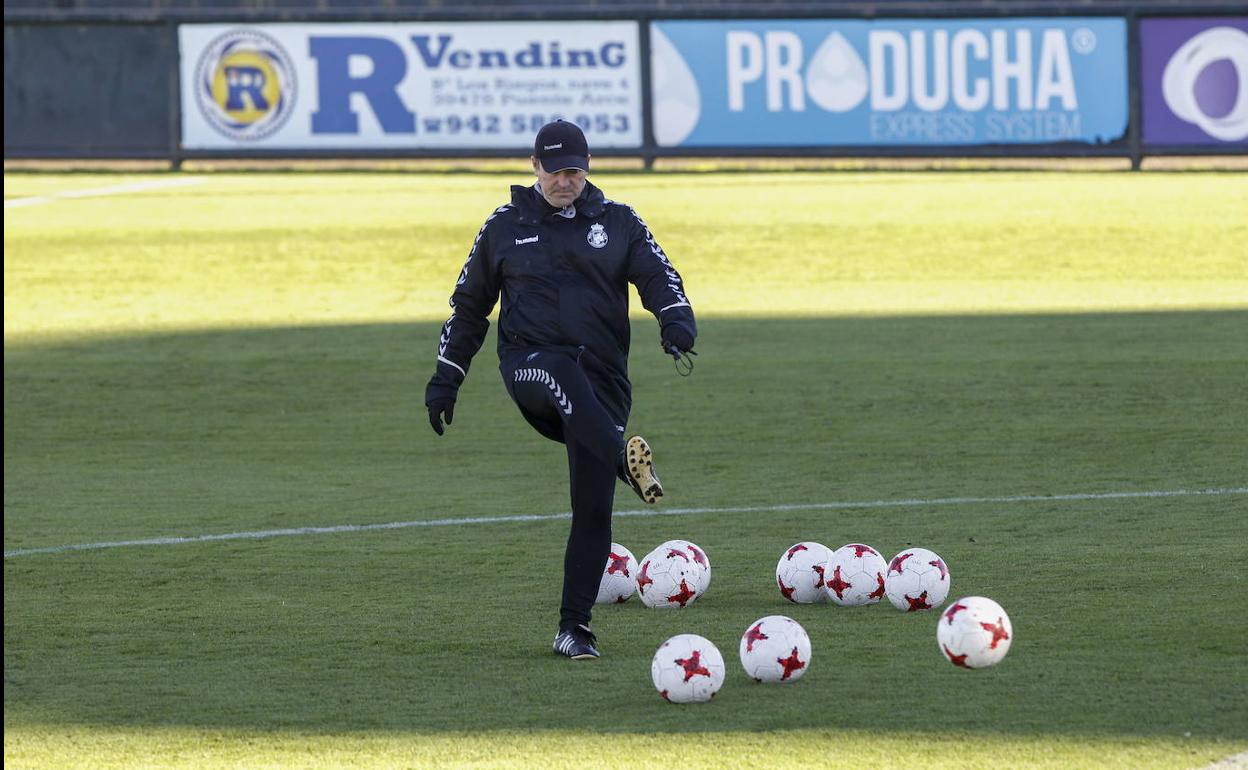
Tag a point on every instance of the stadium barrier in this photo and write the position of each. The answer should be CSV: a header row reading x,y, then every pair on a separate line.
x,y
1005,80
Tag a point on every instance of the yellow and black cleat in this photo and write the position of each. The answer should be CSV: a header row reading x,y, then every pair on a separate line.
x,y
639,466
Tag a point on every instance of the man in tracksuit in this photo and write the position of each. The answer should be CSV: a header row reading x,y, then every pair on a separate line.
x,y
561,256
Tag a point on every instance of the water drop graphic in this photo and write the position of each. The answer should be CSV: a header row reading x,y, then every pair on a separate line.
x,y
836,78
676,99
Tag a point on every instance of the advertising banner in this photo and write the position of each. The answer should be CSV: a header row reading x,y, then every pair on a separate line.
x,y
1194,81
820,83
418,86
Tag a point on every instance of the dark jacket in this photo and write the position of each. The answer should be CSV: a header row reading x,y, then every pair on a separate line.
x,y
563,282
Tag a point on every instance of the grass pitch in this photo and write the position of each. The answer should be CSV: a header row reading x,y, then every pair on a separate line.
x,y
249,353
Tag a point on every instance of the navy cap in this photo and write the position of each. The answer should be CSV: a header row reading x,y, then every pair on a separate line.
x,y
561,145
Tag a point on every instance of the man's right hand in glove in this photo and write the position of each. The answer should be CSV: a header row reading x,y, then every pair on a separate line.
x,y
441,403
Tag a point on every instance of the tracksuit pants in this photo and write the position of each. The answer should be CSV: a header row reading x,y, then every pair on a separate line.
x,y
556,394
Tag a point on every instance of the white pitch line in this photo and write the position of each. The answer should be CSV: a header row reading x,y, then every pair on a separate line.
x,y
96,192
267,533
1235,762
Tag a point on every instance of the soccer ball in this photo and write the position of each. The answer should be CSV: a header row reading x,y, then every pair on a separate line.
x,y
775,649
687,669
800,573
669,576
917,579
974,632
619,577
855,575
699,557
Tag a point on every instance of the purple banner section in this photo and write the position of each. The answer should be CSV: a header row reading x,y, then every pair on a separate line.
x,y
1194,81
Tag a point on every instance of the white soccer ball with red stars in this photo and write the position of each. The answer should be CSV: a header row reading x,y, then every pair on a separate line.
x,y
687,669
699,557
855,575
669,576
917,579
800,573
974,632
775,649
619,577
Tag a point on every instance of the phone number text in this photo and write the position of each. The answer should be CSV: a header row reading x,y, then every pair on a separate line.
x,y
599,123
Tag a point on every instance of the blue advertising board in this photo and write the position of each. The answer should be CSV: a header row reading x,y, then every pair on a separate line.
x,y
1194,81
889,82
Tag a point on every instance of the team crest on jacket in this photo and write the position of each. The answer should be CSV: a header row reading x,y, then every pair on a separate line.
x,y
597,236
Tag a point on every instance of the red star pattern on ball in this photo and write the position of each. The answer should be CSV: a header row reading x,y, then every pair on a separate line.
x,y
693,665
954,610
999,634
940,565
918,602
957,660
755,634
698,556
618,564
683,596
837,584
818,568
793,551
643,579
860,550
786,591
672,553
878,593
791,664
898,560
664,694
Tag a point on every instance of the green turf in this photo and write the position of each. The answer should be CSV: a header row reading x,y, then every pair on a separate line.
x,y
249,353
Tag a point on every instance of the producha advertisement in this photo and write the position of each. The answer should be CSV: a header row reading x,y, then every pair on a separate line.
x,y
820,83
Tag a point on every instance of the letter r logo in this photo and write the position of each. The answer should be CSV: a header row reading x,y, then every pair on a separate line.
x,y
241,80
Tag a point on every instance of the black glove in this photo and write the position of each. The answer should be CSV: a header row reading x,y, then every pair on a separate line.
x,y
677,340
441,402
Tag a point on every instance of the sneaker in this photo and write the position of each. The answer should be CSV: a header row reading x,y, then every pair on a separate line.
x,y
639,470
577,643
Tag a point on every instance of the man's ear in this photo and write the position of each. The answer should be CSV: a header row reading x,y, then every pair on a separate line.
x,y
533,160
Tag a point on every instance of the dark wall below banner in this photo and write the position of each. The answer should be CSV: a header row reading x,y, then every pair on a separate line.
x,y
98,89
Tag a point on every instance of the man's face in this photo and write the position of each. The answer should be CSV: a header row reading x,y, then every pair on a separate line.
x,y
561,187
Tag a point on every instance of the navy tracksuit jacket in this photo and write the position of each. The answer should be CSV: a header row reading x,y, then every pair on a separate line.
x,y
563,342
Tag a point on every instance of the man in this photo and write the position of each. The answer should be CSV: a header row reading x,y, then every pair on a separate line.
x,y
561,256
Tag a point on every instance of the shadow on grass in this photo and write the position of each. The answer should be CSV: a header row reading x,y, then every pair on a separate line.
x,y
447,628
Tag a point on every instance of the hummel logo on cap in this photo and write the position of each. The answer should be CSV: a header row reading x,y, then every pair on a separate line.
x,y
561,145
